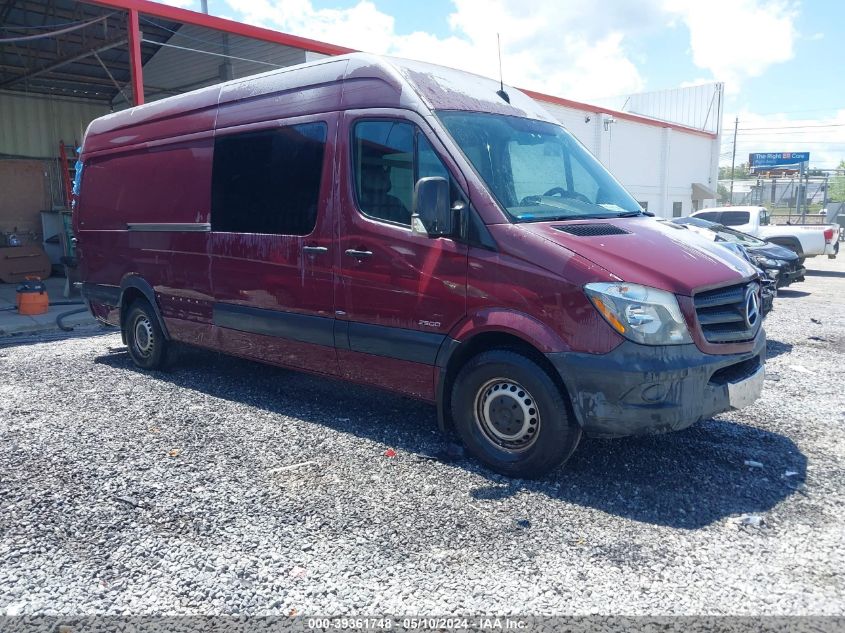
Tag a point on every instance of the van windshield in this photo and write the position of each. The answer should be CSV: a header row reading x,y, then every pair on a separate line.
x,y
537,170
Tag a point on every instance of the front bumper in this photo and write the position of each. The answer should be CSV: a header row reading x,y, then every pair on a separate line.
x,y
639,389
787,276
768,293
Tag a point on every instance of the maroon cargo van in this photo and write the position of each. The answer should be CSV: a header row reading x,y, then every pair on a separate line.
x,y
418,229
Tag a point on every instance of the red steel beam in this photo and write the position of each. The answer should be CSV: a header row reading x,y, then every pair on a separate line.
x,y
136,65
184,16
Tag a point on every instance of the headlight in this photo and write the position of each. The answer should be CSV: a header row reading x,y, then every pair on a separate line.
x,y
644,315
767,262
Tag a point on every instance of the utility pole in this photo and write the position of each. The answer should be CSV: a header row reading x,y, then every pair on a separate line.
x,y
798,202
804,200
733,161
204,6
825,185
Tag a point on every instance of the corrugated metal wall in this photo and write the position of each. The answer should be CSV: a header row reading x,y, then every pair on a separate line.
x,y
699,106
32,126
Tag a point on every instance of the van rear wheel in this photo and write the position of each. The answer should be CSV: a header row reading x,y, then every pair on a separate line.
x,y
512,416
144,337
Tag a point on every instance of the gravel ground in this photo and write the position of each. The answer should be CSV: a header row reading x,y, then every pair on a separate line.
x,y
224,486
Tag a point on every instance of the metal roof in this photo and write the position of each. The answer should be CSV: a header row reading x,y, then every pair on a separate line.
x,y
69,48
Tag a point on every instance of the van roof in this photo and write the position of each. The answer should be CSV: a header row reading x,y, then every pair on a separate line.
x,y
357,80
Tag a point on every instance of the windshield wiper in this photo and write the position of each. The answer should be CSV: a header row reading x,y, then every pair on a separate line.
x,y
633,214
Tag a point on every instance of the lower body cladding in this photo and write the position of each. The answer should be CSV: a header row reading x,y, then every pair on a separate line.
x,y
638,389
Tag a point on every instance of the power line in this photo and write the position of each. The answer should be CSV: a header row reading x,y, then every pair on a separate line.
x,y
794,127
786,141
196,50
789,127
797,135
842,107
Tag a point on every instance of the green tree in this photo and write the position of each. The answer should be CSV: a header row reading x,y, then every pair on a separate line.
x,y
741,171
836,184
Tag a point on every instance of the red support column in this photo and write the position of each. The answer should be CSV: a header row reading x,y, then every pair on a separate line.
x,y
135,65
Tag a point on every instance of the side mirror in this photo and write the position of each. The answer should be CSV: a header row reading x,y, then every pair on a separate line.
x,y
432,214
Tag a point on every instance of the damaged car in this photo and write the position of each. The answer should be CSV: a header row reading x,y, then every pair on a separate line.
x,y
778,262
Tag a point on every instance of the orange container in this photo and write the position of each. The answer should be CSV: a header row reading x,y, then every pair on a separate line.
x,y
31,298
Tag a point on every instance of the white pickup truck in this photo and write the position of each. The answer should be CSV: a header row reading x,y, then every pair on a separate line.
x,y
806,240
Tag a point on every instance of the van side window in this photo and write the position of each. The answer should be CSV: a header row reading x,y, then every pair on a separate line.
x,y
268,181
383,165
388,158
428,162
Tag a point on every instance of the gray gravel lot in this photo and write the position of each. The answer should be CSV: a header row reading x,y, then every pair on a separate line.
x,y
130,493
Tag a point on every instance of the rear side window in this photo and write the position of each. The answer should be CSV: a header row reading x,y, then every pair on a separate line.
x,y
268,181
735,218
711,216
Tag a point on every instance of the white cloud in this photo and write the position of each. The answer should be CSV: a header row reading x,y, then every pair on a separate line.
x,y
567,49
737,39
700,81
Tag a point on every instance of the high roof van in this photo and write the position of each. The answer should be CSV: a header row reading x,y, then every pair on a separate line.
x,y
418,229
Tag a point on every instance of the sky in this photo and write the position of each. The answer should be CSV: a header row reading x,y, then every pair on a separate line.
x,y
781,60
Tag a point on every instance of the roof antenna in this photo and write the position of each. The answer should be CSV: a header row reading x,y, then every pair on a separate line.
x,y
501,91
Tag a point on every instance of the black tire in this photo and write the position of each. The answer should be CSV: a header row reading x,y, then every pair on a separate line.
x,y
487,411
144,338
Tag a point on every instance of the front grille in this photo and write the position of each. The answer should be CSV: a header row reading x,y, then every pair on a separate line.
x,y
591,230
722,313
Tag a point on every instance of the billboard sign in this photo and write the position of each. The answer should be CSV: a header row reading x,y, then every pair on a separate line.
x,y
777,159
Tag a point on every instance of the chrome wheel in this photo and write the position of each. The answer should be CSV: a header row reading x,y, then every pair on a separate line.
x,y
143,339
507,414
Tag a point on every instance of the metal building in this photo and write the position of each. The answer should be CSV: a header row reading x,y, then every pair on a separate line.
x,y
66,62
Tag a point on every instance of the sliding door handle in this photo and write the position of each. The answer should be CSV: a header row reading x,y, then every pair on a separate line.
x,y
359,254
315,250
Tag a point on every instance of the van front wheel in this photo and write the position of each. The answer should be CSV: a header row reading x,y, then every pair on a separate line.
x,y
512,416
144,338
